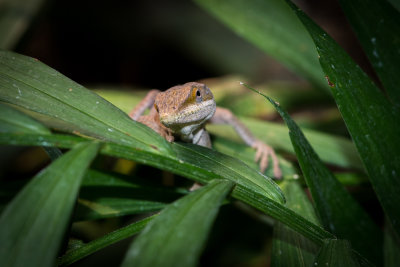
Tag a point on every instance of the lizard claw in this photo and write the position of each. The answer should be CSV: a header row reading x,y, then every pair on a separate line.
x,y
263,152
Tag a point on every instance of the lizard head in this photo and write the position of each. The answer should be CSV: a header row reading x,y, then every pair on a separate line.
x,y
185,108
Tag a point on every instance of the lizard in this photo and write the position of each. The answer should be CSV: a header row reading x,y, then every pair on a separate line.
x,y
182,111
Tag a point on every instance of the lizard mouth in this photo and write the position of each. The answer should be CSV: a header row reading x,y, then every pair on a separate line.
x,y
193,114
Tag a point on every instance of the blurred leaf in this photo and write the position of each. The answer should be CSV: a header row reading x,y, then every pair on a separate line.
x,y
336,253
332,149
15,17
102,242
271,26
190,170
41,211
377,26
104,195
372,121
289,248
335,206
177,235
66,105
14,121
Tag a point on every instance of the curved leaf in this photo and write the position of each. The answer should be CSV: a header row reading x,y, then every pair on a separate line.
x,y
373,122
177,235
335,206
66,105
202,175
33,224
102,242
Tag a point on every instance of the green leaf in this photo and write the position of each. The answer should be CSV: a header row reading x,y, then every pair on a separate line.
x,y
332,149
246,154
377,26
335,206
177,235
197,171
289,248
229,168
336,253
373,123
102,242
271,26
33,224
14,121
105,195
66,105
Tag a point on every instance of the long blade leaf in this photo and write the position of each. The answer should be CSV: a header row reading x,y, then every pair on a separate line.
x,y
200,174
335,206
102,242
33,224
66,105
373,122
177,235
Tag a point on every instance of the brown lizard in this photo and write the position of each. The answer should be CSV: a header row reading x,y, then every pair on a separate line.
x,y
182,112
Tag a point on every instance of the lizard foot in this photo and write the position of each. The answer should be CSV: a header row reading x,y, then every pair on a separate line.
x,y
263,152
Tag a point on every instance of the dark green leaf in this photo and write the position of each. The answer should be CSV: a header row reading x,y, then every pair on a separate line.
x,y
187,169
102,242
177,235
33,224
289,248
373,123
336,253
335,206
271,26
377,26
61,103
105,195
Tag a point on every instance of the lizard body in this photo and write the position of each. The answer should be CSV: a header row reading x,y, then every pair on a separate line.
x,y
182,112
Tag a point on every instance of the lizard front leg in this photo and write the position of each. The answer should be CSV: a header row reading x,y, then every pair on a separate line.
x,y
151,120
263,151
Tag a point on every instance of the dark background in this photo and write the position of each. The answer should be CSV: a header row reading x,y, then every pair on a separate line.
x,y
157,44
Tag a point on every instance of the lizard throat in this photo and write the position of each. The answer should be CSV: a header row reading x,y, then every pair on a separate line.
x,y
190,118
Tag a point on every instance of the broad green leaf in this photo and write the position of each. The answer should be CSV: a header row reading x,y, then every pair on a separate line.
x,y
102,242
228,168
377,26
289,248
14,121
335,206
336,253
192,171
64,104
177,235
33,224
332,149
16,15
373,122
271,26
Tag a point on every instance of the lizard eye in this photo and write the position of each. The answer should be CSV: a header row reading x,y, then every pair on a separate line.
x,y
198,96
